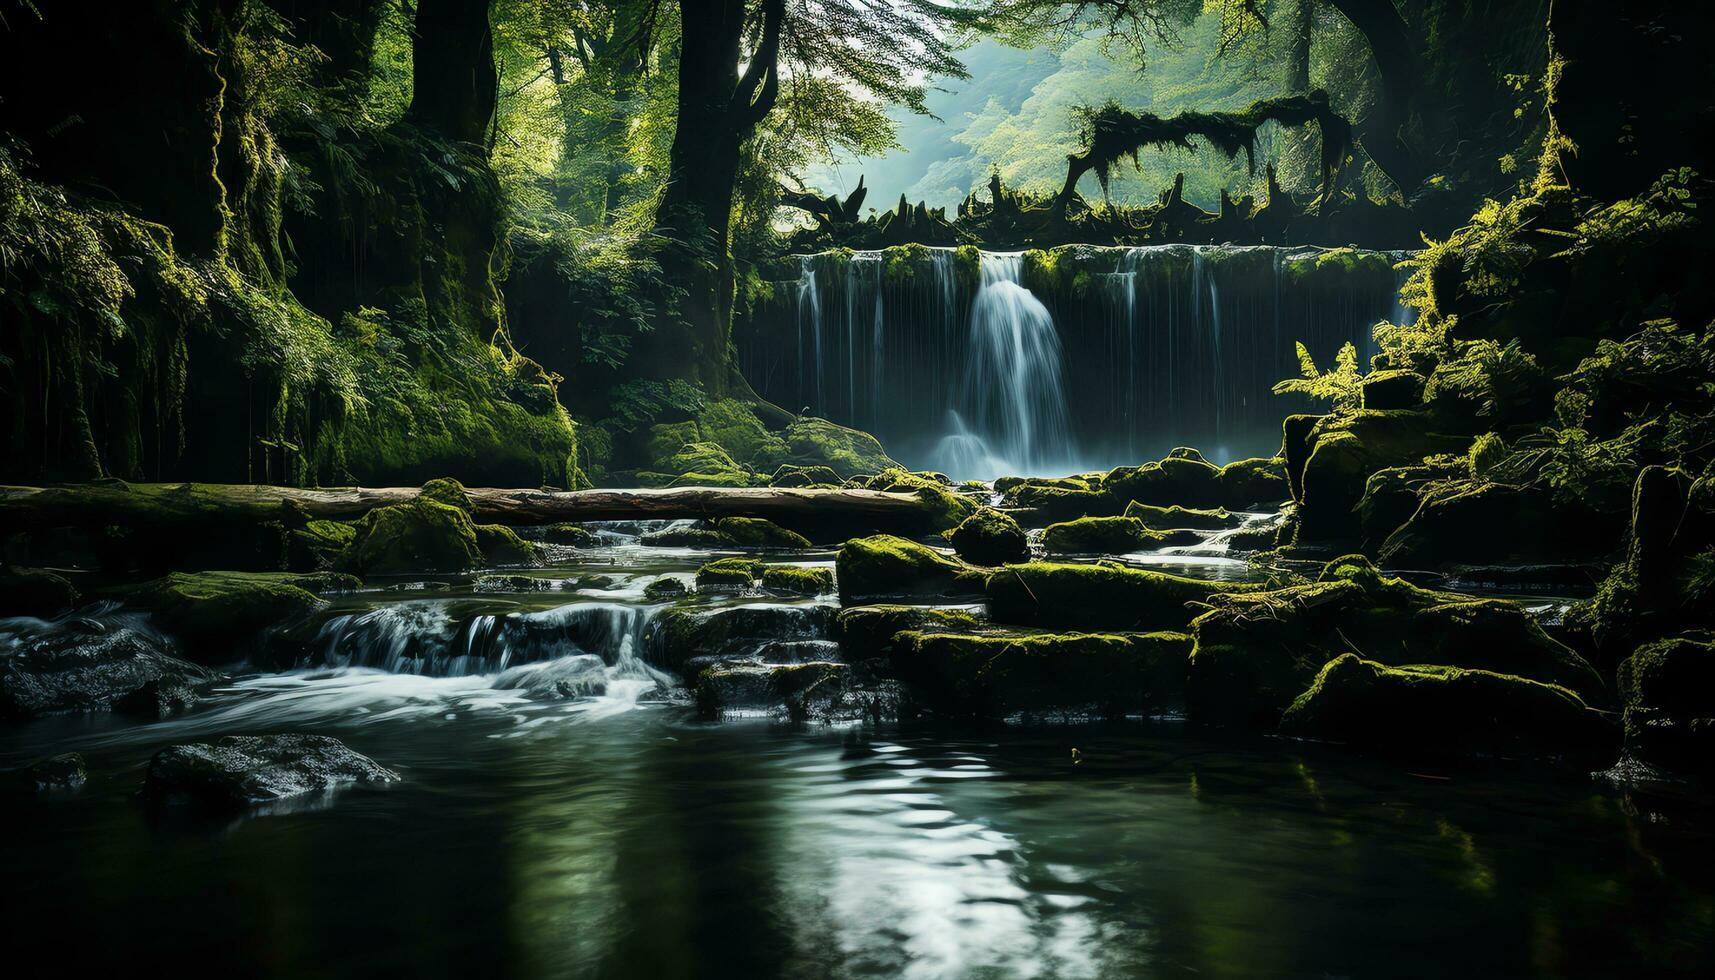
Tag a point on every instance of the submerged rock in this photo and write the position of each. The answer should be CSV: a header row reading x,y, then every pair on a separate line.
x,y
885,565
246,770
215,615
1439,710
989,537
62,773
34,592
1106,596
94,665
1256,652
998,676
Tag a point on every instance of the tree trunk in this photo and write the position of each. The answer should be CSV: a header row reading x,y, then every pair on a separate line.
x,y
202,506
454,85
718,110
344,31
1398,64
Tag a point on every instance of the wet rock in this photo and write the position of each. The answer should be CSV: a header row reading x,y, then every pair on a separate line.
x,y
754,532
575,535
56,774
1438,710
423,536
665,589
685,537
682,635
797,580
512,583
989,537
34,592
94,665
1041,502
501,546
318,544
885,565
216,615
1104,596
1256,652
1246,484
999,676
943,509
1179,518
1667,693
1188,480
815,443
730,573
1109,536
867,632
799,691
1330,460
246,770
599,582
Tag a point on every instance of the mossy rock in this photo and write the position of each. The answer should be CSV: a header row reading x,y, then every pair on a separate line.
x,y
989,537
812,442
732,425
1392,389
575,535
739,573
1000,676
1256,651
797,580
502,546
791,475
685,636
866,632
215,616
1104,596
886,565
943,508
319,544
1476,522
1182,518
755,532
1007,484
1667,693
1433,710
34,592
697,464
667,588
421,536
1341,451
1039,503
1257,482
1100,536
446,490
799,691
1182,480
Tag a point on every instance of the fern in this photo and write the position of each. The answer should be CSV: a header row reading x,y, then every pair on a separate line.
x,y
1339,386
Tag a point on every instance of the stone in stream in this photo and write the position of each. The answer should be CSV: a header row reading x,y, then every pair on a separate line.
x,y
62,773
215,615
885,565
246,770
95,665
1111,536
682,638
989,537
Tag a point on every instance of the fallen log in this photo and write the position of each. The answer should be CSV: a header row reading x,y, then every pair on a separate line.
x,y
162,505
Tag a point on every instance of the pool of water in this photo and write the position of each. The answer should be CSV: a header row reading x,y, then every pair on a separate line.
x,y
566,813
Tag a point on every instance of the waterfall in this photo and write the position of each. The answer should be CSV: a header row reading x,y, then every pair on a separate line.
x,y
1090,358
1013,401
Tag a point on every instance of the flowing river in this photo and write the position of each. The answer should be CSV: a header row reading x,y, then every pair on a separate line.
x,y
564,812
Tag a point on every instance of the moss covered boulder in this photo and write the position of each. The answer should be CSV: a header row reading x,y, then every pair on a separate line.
x,y
1180,518
1108,536
1330,460
685,638
944,509
730,573
1038,503
500,545
867,632
319,544
1250,483
797,580
812,442
697,464
989,537
424,535
1000,676
884,565
791,475
216,616
1257,651
1106,596
1667,693
797,692
575,535
1476,522
1434,710
755,532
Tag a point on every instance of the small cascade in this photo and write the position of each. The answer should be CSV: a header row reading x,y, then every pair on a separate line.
x,y
1085,359
1013,400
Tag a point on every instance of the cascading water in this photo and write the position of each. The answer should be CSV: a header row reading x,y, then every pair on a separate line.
x,y
1098,357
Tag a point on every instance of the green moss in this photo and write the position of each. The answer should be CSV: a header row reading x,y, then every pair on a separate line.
x,y
1437,711
944,508
867,632
989,537
575,535
1100,596
754,532
1667,691
728,572
665,589
500,545
416,537
1100,536
1184,481
1177,518
1043,502
319,544
216,616
447,491
732,425
990,676
792,475
1247,483
885,565
797,579
813,442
